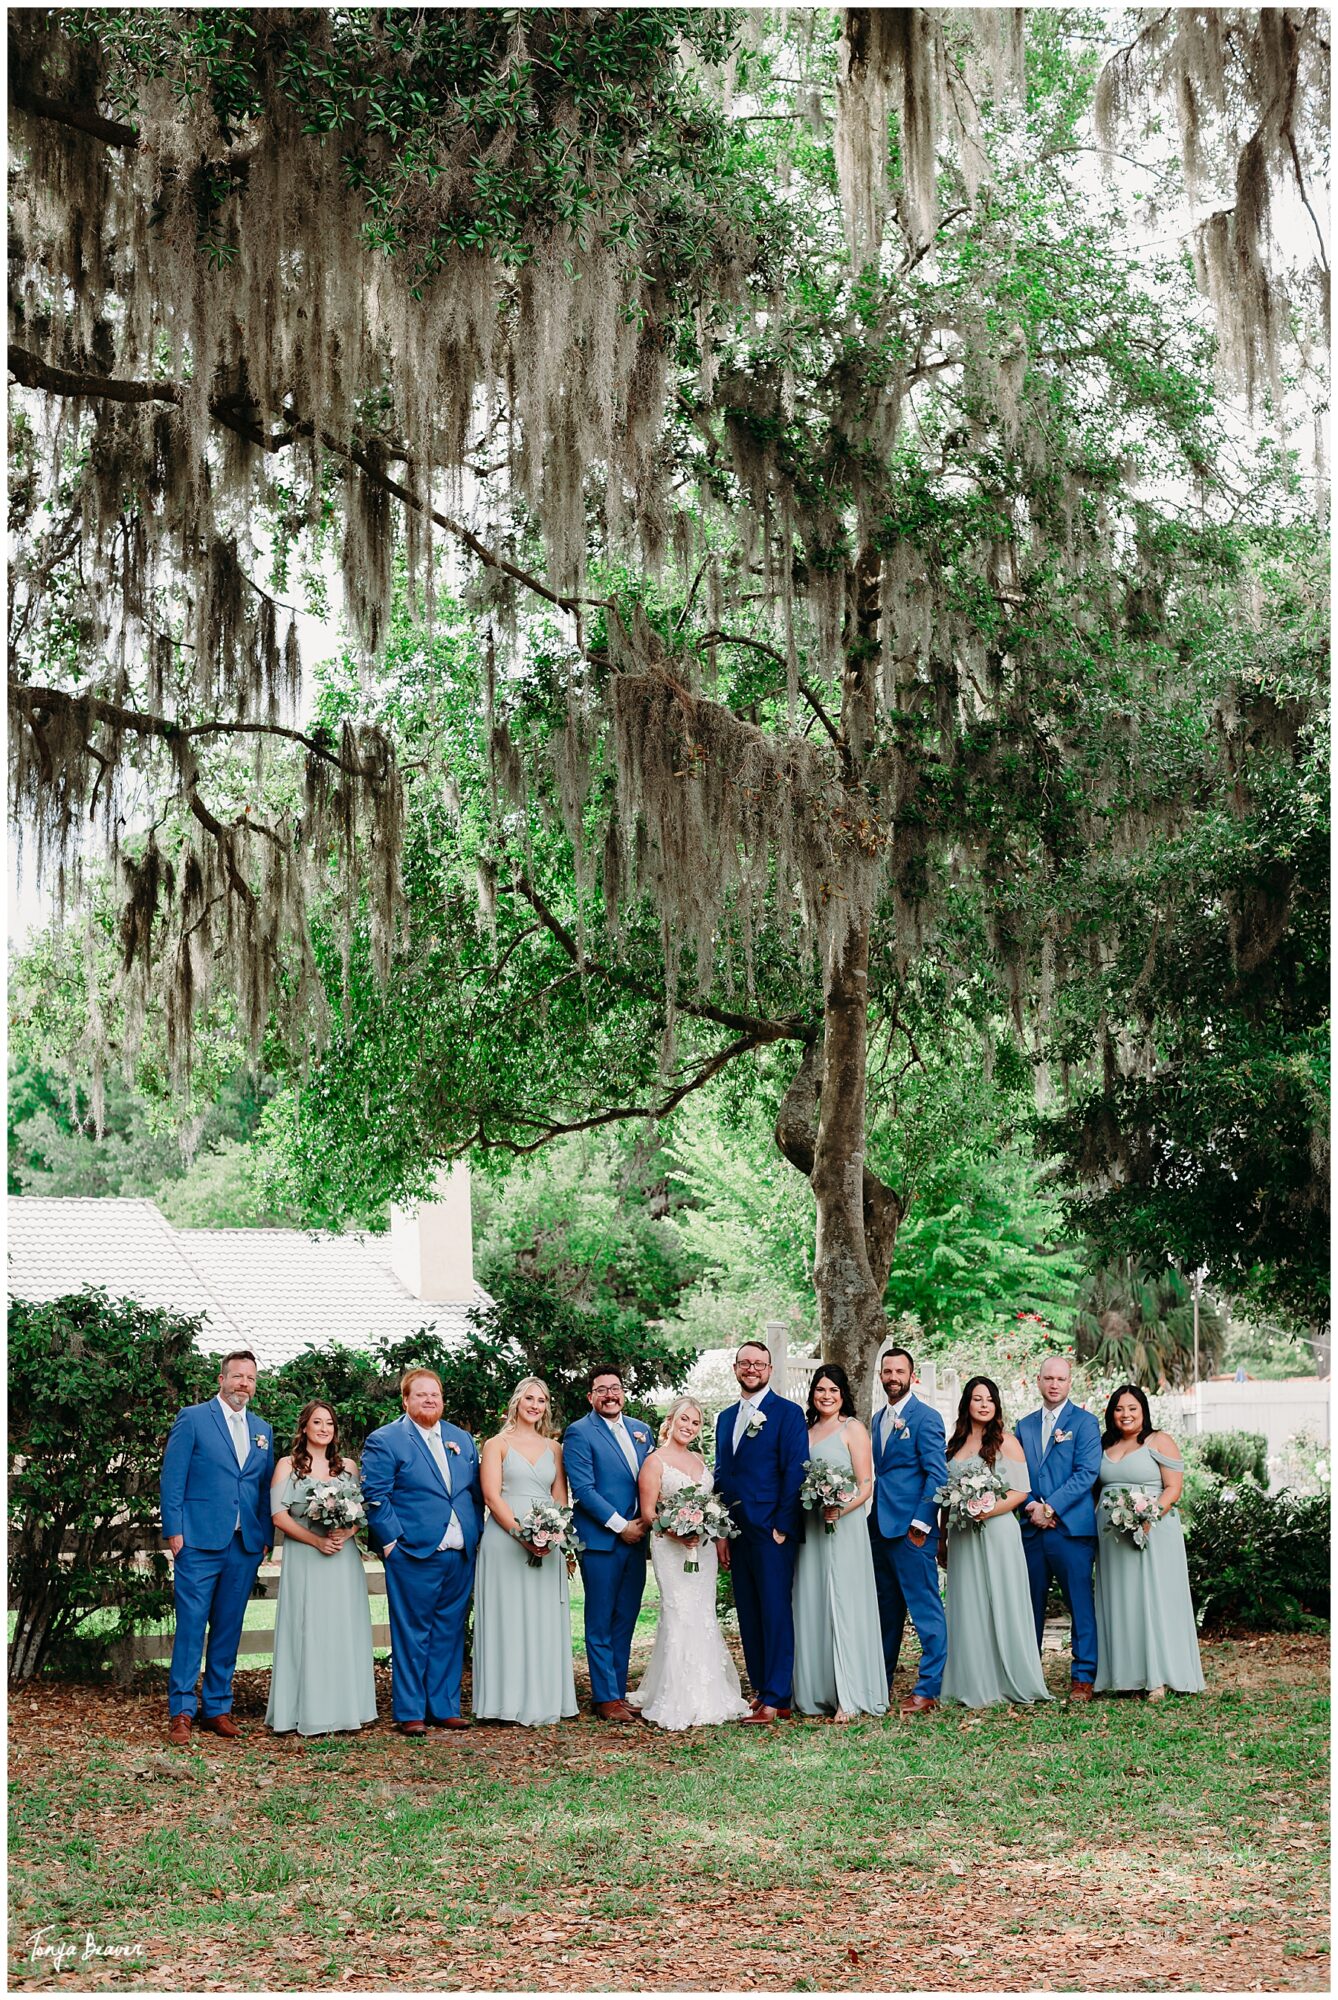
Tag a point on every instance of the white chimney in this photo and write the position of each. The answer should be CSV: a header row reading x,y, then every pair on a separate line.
x,y
432,1246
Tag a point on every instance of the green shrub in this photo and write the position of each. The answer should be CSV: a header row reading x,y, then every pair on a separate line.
x,y
1235,1454
94,1385
1259,1559
530,1329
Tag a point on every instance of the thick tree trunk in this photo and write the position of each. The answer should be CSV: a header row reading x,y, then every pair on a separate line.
x,y
820,1130
820,1127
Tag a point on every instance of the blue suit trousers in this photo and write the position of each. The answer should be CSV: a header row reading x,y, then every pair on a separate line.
x,y
615,1580
1069,1559
763,1573
906,1580
211,1589
428,1598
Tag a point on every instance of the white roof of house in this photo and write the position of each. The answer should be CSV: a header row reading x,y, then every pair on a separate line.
x,y
273,1290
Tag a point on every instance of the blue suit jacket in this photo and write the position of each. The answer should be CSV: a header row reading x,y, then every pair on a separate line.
x,y
600,1479
204,1493
760,1482
1066,1477
406,1497
908,1470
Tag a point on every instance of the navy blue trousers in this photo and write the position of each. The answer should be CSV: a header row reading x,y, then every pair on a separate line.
x,y
763,1573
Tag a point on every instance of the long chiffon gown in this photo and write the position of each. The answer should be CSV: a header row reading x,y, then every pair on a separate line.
x,y
1146,1632
838,1646
522,1616
322,1676
992,1654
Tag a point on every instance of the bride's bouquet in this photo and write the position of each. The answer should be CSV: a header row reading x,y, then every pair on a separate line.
x,y
1131,1513
827,1485
549,1527
697,1516
971,1496
336,1503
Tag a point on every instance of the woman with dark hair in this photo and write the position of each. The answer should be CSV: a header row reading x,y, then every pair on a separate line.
x,y
1146,1634
992,1652
838,1648
322,1676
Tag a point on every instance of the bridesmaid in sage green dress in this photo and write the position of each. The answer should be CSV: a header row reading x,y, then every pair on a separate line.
x,y
992,1654
1146,1632
838,1647
322,1676
522,1616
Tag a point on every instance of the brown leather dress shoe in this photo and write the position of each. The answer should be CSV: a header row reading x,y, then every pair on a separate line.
x,y
919,1704
615,1711
411,1728
451,1722
178,1730
763,1714
220,1725
1081,1691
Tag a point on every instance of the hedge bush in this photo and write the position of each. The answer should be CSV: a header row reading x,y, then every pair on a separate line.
x,y
1259,1559
94,1384
1235,1454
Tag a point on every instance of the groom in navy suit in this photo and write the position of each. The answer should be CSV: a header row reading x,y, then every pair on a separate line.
x,y
910,1464
214,1490
1063,1448
420,1480
761,1445
603,1454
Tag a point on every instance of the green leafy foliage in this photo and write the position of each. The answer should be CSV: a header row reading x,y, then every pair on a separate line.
x,y
94,1385
1235,1455
1139,1325
1259,1559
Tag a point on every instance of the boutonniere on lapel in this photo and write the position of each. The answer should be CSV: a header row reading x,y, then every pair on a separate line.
x,y
1060,1437
756,1419
260,1441
642,1437
898,1423
451,1445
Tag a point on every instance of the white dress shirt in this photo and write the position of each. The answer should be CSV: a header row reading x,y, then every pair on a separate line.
x,y
623,1439
898,1409
454,1537
241,1441
746,1405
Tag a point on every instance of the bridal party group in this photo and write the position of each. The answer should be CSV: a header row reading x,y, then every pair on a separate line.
x,y
834,1534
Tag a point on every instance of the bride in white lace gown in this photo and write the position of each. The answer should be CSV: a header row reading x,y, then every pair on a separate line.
x,y
691,1678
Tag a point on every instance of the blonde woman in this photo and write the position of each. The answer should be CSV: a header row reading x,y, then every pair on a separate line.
x,y
691,1678
522,1618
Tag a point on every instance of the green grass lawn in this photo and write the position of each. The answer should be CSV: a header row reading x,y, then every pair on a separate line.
x,y
1121,1845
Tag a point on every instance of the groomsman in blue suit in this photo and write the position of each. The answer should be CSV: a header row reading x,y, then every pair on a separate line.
x,y
214,1490
603,1454
761,1445
1063,1448
420,1482
910,1464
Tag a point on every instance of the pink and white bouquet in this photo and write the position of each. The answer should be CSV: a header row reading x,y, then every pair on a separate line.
x,y
971,1496
827,1485
1131,1512
335,1503
548,1528
695,1516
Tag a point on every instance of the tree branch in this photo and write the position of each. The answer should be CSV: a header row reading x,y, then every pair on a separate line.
x,y
140,723
74,115
771,653
558,1128
753,1026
